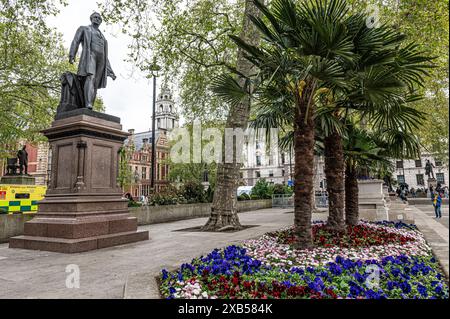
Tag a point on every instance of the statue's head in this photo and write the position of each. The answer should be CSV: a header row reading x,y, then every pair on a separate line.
x,y
24,147
96,18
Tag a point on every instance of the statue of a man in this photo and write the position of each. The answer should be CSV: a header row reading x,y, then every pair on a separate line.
x,y
94,64
23,160
429,169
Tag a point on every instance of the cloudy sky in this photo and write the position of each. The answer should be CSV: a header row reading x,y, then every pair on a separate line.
x,y
130,95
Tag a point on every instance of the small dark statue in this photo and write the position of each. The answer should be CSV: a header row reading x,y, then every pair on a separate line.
x,y
22,155
429,169
80,90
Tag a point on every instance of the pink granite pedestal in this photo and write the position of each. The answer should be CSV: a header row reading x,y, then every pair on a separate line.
x,y
83,208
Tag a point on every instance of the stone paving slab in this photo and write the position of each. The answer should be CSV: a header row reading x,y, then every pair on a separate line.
x,y
436,232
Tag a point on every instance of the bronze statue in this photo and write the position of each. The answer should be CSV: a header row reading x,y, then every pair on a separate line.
x,y
429,169
94,66
23,160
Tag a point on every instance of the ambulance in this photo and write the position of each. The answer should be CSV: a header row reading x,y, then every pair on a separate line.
x,y
20,198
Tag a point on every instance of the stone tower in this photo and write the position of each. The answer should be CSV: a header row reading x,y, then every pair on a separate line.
x,y
166,114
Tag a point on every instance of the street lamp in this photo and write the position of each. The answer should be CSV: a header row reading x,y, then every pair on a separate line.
x,y
153,68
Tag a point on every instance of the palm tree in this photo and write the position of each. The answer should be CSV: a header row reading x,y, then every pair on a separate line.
x,y
303,46
381,77
365,150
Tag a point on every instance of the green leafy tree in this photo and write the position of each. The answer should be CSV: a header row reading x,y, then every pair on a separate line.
x,y
31,64
125,176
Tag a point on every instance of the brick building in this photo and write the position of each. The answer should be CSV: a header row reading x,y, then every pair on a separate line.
x,y
140,145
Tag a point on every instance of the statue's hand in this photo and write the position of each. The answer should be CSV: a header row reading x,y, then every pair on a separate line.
x,y
71,60
113,76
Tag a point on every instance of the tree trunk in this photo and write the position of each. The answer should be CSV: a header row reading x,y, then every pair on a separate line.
x,y
334,172
304,168
224,207
351,196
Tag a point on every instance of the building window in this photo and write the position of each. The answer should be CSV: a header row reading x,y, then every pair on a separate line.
x,y
144,172
159,123
282,158
258,146
420,180
399,164
400,179
173,123
258,160
270,173
258,174
283,172
418,164
440,178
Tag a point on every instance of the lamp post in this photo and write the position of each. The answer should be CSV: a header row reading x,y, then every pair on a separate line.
x,y
154,68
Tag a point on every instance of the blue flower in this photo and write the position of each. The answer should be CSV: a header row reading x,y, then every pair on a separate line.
x,y
391,285
405,287
438,289
165,274
422,290
335,268
172,290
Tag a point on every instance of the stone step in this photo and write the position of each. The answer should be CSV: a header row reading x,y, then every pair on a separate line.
x,y
63,245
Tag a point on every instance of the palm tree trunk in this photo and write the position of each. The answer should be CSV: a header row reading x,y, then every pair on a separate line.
x,y
351,196
304,169
334,172
224,207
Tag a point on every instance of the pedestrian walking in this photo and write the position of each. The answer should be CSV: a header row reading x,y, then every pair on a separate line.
x,y
437,201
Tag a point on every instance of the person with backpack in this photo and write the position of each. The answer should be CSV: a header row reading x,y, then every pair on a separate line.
x,y
437,202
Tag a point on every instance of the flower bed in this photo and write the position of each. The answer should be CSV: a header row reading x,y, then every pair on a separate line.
x,y
371,260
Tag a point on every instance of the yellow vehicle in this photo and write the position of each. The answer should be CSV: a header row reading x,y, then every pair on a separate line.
x,y
20,198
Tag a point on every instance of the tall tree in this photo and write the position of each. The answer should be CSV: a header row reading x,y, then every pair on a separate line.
x,y
31,63
194,39
224,207
300,57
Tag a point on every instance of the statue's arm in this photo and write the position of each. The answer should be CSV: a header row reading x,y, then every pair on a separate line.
x,y
109,70
75,44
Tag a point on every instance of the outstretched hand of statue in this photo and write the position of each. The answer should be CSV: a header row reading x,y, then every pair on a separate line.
x,y
71,60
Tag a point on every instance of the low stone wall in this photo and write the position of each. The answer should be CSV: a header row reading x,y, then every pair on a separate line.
x,y
424,201
166,213
12,224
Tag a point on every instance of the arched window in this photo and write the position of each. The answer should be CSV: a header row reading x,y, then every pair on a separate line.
x,y
160,108
170,108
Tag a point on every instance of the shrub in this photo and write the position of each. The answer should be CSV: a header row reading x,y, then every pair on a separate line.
x,y
167,196
193,192
132,203
262,190
244,196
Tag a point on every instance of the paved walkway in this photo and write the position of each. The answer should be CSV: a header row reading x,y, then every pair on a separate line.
x,y
103,273
436,231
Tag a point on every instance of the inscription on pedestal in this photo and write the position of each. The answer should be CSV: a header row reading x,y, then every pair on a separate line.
x,y
65,167
101,166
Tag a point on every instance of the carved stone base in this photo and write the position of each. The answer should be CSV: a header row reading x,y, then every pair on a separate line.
x,y
83,208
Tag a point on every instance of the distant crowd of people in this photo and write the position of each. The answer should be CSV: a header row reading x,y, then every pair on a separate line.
x,y
436,195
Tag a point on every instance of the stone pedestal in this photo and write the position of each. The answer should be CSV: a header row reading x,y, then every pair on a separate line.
x,y
372,204
18,180
432,182
83,208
